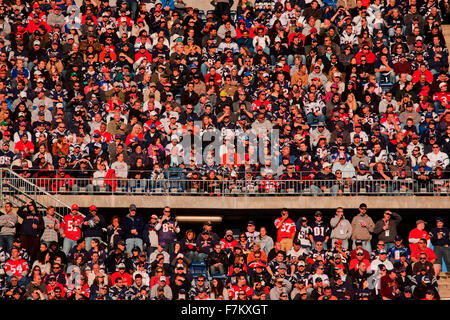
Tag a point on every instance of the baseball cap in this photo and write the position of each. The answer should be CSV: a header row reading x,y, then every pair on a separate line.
x,y
326,164
398,238
251,222
93,208
173,114
132,207
301,263
439,219
229,232
358,242
420,221
97,145
318,213
383,251
121,265
282,266
75,206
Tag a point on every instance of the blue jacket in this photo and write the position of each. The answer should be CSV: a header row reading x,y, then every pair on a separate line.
x,y
168,3
129,223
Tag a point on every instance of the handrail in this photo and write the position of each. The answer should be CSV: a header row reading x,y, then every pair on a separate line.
x,y
240,187
37,189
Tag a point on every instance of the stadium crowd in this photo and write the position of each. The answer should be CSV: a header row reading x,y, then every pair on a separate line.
x,y
110,90
149,258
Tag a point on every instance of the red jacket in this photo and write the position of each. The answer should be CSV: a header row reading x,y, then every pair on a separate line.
x,y
416,76
371,58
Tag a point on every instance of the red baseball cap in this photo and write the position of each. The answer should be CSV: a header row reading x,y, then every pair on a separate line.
x,y
74,207
93,208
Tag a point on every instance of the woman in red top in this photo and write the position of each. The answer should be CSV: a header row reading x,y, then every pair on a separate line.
x,y
136,135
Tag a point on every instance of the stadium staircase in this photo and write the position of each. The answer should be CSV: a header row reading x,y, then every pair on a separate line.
x,y
444,285
19,191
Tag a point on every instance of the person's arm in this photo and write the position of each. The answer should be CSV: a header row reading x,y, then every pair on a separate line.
x,y
378,227
370,226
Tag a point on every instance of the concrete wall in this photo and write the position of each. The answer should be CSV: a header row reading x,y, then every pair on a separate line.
x,y
123,201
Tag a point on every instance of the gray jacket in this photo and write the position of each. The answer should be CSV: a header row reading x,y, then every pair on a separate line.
x,y
8,224
342,229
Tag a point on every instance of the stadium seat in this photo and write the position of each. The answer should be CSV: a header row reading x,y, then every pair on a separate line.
x,y
198,268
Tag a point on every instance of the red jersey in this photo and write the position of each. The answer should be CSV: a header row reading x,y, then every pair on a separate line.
x,y
228,244
157,123
443,97
258,103
106,136
127,278
233,293
72,232
18,268
287,229
414,236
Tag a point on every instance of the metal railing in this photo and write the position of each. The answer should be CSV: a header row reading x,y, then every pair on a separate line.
x,y
225,187
19,191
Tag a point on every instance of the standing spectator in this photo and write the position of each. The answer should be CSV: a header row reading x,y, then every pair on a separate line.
x,y
92,226
440,239
167,228
304,233
31,228
251,233
362,227
416,234
150,235
320,230
265,241
386,228
8,223
114,232
341,228
285,230
133,226
51,224
70,229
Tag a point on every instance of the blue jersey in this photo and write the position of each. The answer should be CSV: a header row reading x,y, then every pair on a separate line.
x,y
320,231
394,253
